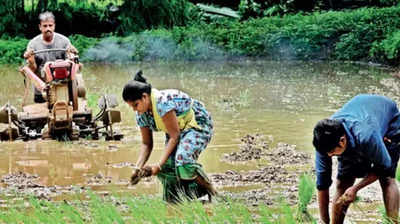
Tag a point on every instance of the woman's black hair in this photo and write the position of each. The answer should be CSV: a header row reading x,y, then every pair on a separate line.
x,y
134,89
327,135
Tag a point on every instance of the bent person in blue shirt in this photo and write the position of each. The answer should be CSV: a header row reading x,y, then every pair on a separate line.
x,y
365,135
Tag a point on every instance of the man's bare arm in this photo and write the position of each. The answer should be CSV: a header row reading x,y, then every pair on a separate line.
x,y
323,202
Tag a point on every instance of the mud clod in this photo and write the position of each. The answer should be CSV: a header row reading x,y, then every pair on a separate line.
x,y
21,180
279,175
251,147
99,179
121,165
22,184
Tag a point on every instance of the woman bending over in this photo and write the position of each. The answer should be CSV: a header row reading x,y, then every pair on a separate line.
x,y
188,127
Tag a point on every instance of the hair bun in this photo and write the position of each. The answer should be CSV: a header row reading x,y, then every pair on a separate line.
x,y
139,77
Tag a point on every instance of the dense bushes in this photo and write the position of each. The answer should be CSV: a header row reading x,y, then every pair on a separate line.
x,y
363,34
351,35
140,15
260,8
11,50
368,34
387,49
11,13
83,43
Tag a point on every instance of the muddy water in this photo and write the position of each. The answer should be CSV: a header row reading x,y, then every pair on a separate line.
x,y
282,100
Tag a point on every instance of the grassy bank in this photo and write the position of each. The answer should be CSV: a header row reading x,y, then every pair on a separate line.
x,y
367,34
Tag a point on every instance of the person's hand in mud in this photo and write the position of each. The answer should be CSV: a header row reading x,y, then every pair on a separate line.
x,y
155,169
137,174
135,178
349,195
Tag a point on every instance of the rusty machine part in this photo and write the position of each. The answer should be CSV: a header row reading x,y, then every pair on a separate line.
x,y
7,114
109,116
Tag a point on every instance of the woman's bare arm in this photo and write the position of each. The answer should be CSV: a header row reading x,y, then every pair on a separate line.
x,y
146,148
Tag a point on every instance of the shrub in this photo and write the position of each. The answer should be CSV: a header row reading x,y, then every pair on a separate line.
x,y
306,191
82,43
11,50
387,49
363,34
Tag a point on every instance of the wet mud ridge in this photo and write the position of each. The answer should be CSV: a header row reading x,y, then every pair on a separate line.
x,y
277,178
23,184
21,180
99,179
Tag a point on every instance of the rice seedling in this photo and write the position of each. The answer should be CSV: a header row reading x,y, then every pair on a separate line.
x,y
306,191
244,98
385,218
92,100
152,209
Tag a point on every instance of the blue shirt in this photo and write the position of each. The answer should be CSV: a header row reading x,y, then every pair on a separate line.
x,y
367,119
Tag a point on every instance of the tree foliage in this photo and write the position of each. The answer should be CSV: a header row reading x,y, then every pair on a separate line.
x,y
122,17
93,18
161,29
261,8
148,14
11,16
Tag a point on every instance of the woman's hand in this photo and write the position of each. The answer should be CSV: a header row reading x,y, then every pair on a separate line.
x,y
137,174
155,169
135,178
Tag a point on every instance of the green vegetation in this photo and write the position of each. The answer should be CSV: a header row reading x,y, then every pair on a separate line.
x,y
94,18
92,100
32,4
261,8
367,34
306,191
385,218
137,210
11,50
147,209
352,35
